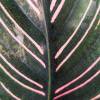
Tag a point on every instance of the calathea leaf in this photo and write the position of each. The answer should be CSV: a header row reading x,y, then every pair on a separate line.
x,y
49,49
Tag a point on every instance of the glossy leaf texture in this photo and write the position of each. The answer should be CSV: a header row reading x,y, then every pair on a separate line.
x,y
49,49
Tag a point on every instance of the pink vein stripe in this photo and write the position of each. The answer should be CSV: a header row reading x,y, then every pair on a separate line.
x,y
33,7
20,83
96,97
52,5
81,40
79,77
22,45
19,73
55,15
73,34
22,31
79,86
9,92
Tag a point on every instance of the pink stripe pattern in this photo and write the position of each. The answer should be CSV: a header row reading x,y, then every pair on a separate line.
x,y
20,83
18,72
81,40
80,76
79,86
52,5
21,30
9,92
96,97
73,34
55,15
22,45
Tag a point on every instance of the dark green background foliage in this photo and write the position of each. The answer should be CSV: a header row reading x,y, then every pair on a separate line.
x,y
51,37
